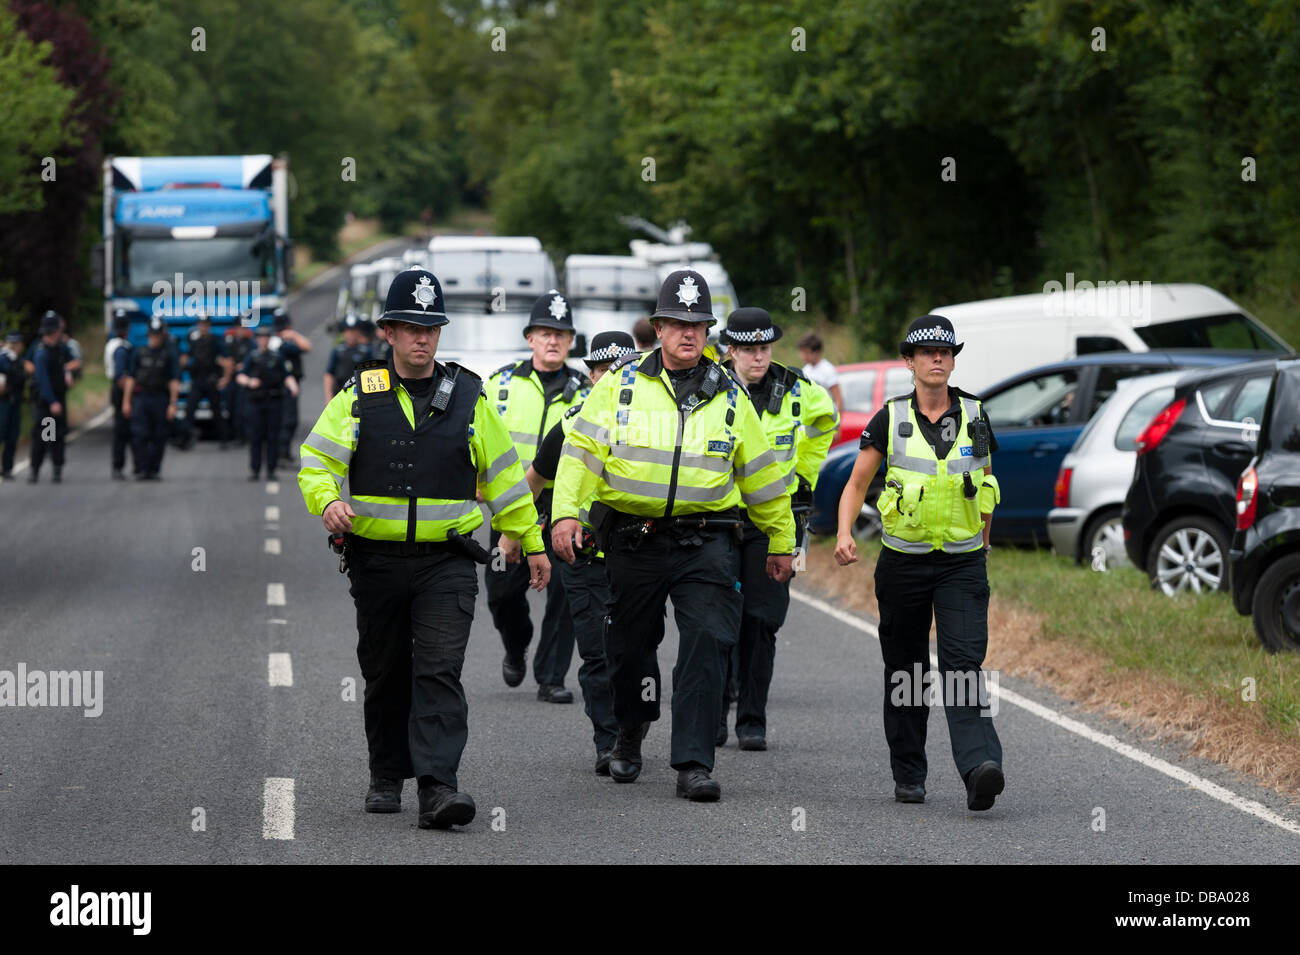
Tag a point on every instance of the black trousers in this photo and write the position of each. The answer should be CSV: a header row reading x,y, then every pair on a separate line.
x,y
11,423
702,582
507,592
413,622
149,430
236,403
263,432
955,588
288,424
55,446
207,388
121,430
586,588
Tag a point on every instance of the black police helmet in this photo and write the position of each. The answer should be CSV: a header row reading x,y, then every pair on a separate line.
x,y
684,296
609,346
550,311
932,330
51,321
121,321
157,326
749,326
352,320
416,297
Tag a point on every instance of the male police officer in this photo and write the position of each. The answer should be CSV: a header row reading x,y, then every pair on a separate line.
x,y
586,588
415,438
52,381
669,447
13,384
347,354
117,366
151,390
800,421
531,397
210,371
936,511
292,346
239,345
265,378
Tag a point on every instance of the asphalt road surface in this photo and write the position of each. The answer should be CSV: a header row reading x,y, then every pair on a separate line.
x,y
197,757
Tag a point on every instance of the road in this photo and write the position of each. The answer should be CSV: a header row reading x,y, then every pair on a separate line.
x,y
164,588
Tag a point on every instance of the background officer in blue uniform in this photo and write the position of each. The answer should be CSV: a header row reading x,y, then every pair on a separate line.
x,y
117,366
210,372
292,346
51,381
347,354
936,510
266,376
152,389
13,385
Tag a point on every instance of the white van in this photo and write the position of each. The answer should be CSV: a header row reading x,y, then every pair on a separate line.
x,y
666,259
609,292
1004,336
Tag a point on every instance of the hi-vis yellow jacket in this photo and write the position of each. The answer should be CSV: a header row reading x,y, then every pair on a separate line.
x,y
933,512
802,427
634,449
327,456
520,400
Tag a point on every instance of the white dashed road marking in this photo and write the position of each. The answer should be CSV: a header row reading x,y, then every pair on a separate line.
x,y
277,808
272,545
275,595
272,487
272,513
279,670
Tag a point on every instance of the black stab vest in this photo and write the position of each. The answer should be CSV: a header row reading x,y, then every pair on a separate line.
x,y
433,460
151,370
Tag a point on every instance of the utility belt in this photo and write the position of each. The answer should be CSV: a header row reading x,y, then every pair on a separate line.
x,y
265,394
456,543
629,531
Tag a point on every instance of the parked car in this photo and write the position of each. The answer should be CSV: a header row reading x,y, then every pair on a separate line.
x,y
1085,524
1181,507
1264,558
831,480
864,386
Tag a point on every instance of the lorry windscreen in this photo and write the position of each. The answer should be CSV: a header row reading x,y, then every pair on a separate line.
x,y
1231,331
143,261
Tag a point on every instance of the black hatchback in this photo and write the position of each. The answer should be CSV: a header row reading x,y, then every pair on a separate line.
x,y
1265,554
1181,507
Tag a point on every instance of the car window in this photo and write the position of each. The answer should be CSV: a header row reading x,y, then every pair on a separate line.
x,y
858,389
1109,377
1248,403
1140,415
1284,415
1231,331
1043,400
1087,344
1212,396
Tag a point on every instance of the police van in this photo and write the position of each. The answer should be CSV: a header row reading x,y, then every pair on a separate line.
x,y
609,292
1004,336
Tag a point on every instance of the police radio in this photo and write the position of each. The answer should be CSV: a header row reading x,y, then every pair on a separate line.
x,y
979,436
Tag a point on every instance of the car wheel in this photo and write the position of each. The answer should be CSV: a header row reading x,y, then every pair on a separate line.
x,y
1103,541
1276,607
1189,554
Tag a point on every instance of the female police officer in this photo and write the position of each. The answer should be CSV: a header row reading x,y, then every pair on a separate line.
x,y
936,511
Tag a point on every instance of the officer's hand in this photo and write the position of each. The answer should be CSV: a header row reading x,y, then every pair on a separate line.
x,y
56,408
846,551
254,382
292,386
562,534
171,412
338,517
539,571
511,550
779,567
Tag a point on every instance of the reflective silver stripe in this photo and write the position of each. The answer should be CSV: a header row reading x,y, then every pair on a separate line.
x,y
907,547
764,494
756,464
584,516
705,462
705,495
969,408
901,414
790,475
324,445
651,489
961,547
451,511
974,463
321,462
499,465
643,488
783,455
525,437
812,432
594,431
909,463
592,462
502,501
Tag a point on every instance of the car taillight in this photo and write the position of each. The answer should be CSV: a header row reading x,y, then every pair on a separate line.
x,y
1062,498
1247,485
1154,432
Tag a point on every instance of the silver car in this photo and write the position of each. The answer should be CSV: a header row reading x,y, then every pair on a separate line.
x,y
1096,474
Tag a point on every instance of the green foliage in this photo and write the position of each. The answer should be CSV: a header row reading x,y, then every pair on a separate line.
x,y
35,108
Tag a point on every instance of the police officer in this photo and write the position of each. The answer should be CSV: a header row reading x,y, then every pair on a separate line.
x,y
800,421
117,365
415,438
347,354
936,512
670,447
210,370
239,345
586,588
532,396
13,385
151,390
265,378
292,346
51,380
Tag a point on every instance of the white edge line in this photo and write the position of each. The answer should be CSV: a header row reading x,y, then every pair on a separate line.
x,y
277,808
1213,790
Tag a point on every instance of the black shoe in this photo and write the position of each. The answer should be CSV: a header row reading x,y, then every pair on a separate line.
x,y
441,807
253,476
513,670
33,477
57,477
625,757
983,784
754,742
909,792
270,475
7,476
384,795
550,693
141,476
602,762
697,785
118,475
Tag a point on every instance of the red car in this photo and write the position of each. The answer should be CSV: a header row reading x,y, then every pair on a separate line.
x,y
865,385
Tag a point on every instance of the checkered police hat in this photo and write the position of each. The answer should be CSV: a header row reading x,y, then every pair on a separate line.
x,y
932,330
749,326
609,346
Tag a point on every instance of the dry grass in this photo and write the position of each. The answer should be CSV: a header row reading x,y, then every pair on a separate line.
x,y
1200,724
